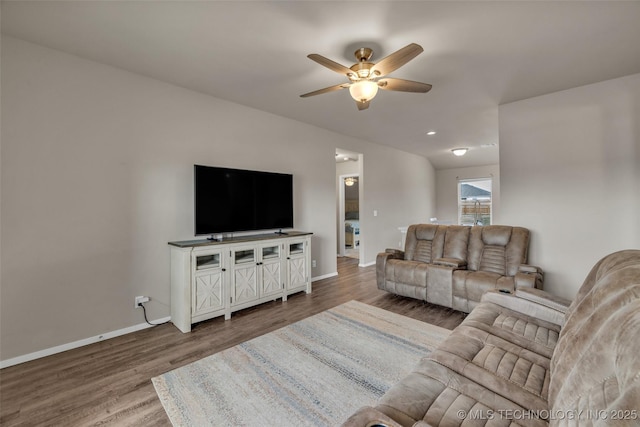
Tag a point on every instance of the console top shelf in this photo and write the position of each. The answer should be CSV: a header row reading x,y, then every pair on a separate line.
x,y
235,239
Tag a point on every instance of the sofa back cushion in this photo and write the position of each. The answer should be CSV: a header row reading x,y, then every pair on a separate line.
x,y
424,242
456,242
595,366
498,249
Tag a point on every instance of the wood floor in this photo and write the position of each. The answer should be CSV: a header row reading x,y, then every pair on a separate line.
x,y
109,383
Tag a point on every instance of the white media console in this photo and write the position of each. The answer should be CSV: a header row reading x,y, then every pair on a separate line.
x,y
213,278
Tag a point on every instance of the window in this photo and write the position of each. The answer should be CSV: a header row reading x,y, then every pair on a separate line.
x,y
474,201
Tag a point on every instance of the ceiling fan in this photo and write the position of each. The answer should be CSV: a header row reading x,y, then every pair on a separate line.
x,y
365,77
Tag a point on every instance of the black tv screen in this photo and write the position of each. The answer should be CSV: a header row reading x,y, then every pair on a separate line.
x,y
229,200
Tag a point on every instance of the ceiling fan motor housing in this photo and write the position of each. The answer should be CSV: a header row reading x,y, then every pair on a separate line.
x,y
362,70
363,54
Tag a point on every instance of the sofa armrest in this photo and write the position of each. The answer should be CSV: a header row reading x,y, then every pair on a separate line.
x,y
529,276
396,253
544,298
456,263
538,304
383,257
526,268
369,417
381,265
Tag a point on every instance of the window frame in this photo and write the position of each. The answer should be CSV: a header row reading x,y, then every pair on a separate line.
x,y
461,205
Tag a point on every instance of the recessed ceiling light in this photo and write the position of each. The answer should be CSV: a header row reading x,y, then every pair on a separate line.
x,y
431,132
459,151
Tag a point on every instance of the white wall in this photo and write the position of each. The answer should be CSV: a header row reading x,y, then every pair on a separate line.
x,y
447,190
347,168
401,191
97,178
570,171
400,188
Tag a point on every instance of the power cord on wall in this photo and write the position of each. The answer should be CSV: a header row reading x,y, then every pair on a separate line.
x,y
144,310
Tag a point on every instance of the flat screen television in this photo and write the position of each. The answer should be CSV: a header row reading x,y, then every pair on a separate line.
x,y
233,200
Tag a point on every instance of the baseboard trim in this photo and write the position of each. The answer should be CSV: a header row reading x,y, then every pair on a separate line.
x,y
324,276
369,264
80,343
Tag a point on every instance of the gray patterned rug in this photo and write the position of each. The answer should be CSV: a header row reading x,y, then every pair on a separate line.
x,y
315,372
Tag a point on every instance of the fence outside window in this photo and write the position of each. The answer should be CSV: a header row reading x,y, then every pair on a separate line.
x,y
474,202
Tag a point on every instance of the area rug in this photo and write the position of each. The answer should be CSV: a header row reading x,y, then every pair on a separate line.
x,y
315,372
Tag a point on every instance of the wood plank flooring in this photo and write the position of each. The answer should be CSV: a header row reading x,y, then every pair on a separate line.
x,y
109,382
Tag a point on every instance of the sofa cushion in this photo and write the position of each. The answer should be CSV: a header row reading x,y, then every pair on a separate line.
x,y
423,251
456,242
412,273
503,367
435,395
469,286
493,259
498,249
424,242
525,331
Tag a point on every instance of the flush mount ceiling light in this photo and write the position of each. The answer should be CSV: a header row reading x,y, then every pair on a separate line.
x,y
459,151
431,132
350,181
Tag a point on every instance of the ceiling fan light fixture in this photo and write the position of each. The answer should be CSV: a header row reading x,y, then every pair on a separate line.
x,y
459,151
363,75
363,90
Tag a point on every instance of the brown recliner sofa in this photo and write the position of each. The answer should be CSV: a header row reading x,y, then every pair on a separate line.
x,y
531,359
454,265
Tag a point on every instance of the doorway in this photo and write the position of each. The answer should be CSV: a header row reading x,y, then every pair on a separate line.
x,y
349,195
351,186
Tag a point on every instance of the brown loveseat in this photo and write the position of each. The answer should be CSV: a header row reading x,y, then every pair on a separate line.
x,y
529,359
454,265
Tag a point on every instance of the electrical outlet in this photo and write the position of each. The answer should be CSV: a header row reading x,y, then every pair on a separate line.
x,y
140,300
313,264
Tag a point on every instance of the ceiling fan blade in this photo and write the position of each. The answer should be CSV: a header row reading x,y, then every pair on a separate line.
x,y
397,59
325,90
362,105
403,85
332,65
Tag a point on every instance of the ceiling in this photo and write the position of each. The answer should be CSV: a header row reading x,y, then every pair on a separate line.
x,y
477,55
